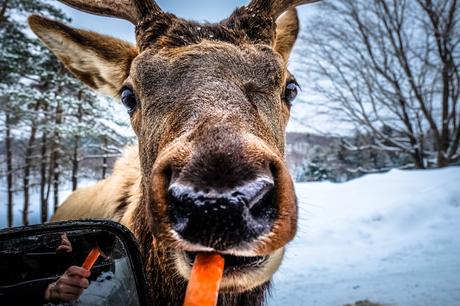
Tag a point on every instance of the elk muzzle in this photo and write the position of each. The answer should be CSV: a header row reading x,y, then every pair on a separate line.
x,y
222,218
232,196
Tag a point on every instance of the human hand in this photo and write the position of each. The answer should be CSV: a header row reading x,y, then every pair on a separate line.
x,y
69,286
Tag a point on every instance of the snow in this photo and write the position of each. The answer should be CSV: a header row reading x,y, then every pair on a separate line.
x,y
391,238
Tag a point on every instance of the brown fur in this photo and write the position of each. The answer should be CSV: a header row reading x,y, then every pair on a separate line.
x,y
211,109
103,200
101,62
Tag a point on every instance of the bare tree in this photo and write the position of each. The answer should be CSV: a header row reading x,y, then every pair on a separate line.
x,y
391,68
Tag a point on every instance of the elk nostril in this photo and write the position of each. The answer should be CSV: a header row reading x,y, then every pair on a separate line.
x,y
256,191
265,208
180,207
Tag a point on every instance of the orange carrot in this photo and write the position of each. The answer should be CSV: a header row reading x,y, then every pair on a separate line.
x,y
91,258
204,282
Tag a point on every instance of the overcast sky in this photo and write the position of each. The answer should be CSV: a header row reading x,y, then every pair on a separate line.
x,y
204,10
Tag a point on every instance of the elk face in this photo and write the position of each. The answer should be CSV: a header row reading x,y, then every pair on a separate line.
x,y
209,104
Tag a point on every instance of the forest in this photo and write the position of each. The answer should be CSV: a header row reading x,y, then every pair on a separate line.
x,y
54,129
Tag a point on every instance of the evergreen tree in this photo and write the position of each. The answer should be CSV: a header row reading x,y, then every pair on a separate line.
x,y
52,122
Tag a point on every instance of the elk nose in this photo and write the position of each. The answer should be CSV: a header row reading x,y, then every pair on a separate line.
x,y
223,218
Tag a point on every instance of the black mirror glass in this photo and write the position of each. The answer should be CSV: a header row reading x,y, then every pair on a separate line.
x,y
41,265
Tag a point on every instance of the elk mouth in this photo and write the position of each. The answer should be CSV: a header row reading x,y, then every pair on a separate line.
x,y
241,273
233,264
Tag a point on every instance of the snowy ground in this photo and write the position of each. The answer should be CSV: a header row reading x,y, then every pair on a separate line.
x,y
392,238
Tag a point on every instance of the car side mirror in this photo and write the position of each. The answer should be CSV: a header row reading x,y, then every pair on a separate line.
x,y
34,258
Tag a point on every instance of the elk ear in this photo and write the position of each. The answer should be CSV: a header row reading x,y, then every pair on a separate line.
x,y
101,62
287,28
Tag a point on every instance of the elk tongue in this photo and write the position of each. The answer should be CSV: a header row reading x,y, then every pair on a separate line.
x,y
204,282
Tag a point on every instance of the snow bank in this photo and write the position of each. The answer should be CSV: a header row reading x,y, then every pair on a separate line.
x,y
392,238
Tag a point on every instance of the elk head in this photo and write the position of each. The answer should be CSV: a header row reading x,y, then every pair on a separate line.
x,y
209,104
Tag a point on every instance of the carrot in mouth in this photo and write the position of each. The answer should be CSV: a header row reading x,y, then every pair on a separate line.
x,y
204,282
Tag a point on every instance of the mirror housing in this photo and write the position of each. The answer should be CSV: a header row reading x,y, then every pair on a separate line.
x,y
31,255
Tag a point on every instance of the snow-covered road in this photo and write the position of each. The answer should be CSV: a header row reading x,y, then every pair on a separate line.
x,y
393,238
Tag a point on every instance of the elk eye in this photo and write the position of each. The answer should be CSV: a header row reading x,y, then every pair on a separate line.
x,y
128,98
291,91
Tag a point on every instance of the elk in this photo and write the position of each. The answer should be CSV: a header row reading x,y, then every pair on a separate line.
x,y
209,104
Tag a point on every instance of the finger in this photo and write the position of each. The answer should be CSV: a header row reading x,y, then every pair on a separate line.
x,y
65,241
75,281
78,271
66,297
72,290
64,248
57,291
64,238
54,292
83,283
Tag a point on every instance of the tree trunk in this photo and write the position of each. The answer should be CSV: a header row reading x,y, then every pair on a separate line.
x,y
105,157
75,163
43,164
3,8
9,169
49,179
56,156
441,160
76,155
26,178
27,167
418,160
56,183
